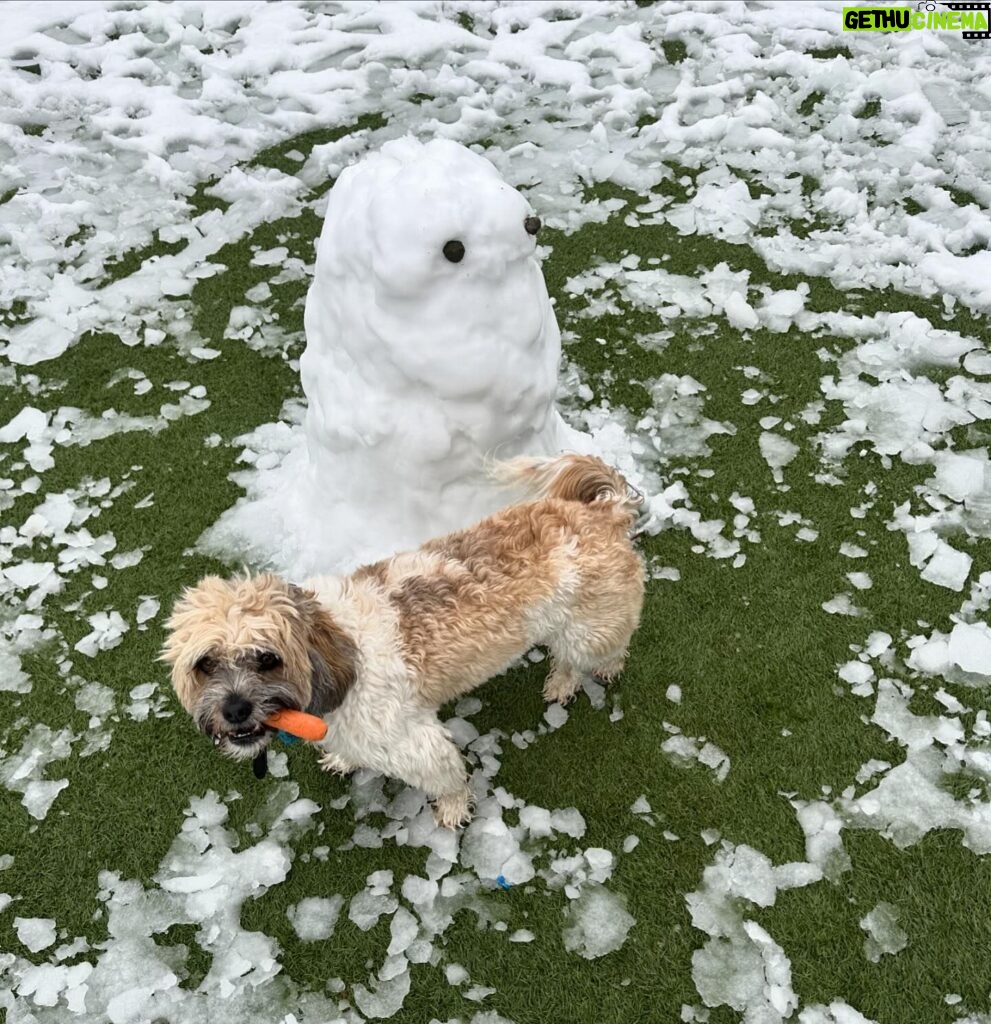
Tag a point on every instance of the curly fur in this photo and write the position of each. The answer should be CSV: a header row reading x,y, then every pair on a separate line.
x,y
404,635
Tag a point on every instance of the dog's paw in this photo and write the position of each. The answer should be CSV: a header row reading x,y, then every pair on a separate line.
x,y
609,671
333,763
561,688
556,697
453,810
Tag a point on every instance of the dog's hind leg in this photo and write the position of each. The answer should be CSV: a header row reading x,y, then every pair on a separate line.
x,y
594,645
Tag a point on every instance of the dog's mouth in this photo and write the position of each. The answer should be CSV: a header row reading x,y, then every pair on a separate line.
x,y
242,742
247,737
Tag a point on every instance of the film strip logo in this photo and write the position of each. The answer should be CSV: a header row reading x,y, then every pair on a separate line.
x,y
967,33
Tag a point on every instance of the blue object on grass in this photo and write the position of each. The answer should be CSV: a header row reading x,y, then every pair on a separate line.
x,y
287,737
502,883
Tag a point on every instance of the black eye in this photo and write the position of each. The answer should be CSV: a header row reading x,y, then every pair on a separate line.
x,y
205,665
454,251
532,225
268,660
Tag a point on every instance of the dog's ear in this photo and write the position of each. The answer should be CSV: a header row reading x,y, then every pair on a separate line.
x,y
333,654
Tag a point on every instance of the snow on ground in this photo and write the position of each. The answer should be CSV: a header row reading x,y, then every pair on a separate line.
x,y
142,129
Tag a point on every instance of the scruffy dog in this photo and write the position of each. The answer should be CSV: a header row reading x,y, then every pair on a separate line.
x,y
379,651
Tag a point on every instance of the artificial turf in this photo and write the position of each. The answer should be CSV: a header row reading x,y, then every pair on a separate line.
x,y
753,651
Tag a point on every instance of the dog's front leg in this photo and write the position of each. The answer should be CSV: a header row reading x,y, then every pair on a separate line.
x,y
428,758
331,762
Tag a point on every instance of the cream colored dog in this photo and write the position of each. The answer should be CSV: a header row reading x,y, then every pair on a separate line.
x,y
377,652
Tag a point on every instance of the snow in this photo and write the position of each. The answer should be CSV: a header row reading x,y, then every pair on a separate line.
x,y
36,933
555,715
778,452
401,343
969,647
143,108
314,917
884,935
598,923
107,633
947,567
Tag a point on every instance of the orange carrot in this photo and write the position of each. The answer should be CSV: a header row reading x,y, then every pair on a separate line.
x,y
299,723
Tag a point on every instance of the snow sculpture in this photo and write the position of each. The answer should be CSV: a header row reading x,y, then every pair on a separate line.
x,y
431,346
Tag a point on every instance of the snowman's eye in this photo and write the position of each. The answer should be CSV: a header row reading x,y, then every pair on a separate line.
x,y
532,225
454,251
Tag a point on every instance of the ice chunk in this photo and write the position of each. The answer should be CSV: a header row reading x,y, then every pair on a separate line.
x,y
39,795
455,974
948,567
852,550
600,863
13,679
842,604
29,423
970,647
147,609
778,452
536,820
419,890
598,922
108,631
25,575
555,715
487,845
640,805
315,917
36,933
747,972
569,821
823,844
859,675
838,1012
404,929
366,908
884,934
387,998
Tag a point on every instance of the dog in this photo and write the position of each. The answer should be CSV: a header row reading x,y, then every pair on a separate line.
x,y
378,652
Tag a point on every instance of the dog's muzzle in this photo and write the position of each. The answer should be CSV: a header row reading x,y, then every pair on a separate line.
x,y
236,725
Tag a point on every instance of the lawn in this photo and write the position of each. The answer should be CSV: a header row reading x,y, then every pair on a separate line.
x,y
767,243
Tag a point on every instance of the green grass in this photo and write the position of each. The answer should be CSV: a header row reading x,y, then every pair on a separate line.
x,y
751,648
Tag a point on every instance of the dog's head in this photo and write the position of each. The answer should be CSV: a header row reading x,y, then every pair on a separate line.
x,y
242,649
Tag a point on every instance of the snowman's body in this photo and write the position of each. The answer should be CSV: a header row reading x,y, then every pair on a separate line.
x,y
417,368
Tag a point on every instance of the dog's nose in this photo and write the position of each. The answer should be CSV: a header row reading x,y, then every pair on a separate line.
x,y
236,709
532,225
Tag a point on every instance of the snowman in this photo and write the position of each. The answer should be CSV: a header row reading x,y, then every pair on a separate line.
x,y
431,348
431,343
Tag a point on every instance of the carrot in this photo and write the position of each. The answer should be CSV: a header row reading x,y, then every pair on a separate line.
x,y
299,723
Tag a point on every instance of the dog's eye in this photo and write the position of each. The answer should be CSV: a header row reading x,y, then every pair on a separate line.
x,y
531,225
268,660
454,251
205,665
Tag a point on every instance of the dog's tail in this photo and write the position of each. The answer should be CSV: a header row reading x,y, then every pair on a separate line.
x,y
582,478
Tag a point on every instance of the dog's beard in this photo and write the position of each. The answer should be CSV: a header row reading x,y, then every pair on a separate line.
x,y
249,738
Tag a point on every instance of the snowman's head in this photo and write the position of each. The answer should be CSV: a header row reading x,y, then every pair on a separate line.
x,y
426,273
416,215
